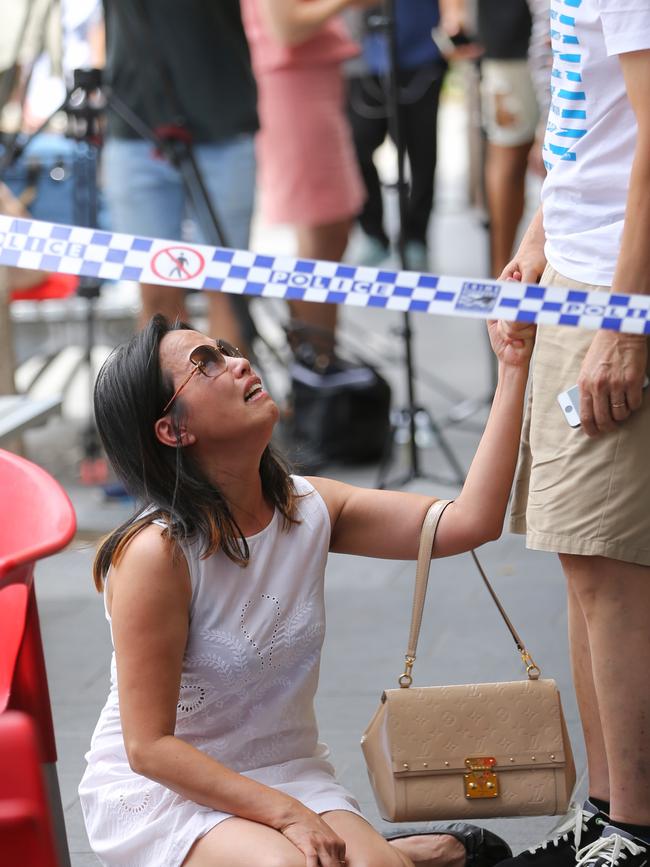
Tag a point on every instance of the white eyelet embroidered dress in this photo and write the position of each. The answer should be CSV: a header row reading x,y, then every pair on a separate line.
x,y
250,673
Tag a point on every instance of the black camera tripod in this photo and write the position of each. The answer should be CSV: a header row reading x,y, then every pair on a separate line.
x,y
413,417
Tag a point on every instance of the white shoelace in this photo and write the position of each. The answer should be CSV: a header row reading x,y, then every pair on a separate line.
x,y
609,849
574,822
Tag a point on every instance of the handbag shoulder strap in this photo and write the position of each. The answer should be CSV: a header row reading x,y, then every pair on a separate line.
x,y
427,540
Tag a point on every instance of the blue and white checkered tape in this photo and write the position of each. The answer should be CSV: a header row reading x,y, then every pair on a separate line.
x,y
114,256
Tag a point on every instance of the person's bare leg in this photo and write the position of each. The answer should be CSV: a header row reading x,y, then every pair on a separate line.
x,y
615,599
505,187
583,682
168,300
365,847
223,321
239,842
320,242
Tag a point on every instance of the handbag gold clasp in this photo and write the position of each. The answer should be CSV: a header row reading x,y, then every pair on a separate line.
x,y
481,781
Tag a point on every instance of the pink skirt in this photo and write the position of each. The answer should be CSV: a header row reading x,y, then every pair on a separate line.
x,y
307,165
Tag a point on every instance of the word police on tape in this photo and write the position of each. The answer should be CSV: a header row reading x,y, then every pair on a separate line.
x,y
114,256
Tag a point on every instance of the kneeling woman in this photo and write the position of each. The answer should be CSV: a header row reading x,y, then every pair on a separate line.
x,y
207,751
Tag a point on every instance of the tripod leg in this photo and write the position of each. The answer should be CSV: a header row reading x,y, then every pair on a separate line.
x,y
447,451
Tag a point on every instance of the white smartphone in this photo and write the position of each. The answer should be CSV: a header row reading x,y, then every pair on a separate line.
x,y
447,44
569,401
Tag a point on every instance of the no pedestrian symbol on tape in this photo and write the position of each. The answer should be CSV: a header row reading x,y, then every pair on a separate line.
x,y
177,263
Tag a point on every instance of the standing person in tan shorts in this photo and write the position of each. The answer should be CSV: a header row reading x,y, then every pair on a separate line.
x,y
585,492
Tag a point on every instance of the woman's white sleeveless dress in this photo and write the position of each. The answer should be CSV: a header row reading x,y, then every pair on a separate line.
x,y
250,673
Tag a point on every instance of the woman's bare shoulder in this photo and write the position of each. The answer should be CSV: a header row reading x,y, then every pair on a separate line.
x,y
151,562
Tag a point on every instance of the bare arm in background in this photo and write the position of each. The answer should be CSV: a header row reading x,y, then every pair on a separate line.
x,y
294,21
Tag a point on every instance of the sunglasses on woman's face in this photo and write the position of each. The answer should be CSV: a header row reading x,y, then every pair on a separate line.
x,y
208,360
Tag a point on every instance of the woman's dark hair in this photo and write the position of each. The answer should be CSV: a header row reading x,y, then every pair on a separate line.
x,y
130,393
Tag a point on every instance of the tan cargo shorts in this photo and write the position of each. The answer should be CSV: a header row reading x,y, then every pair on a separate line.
x,y
574,494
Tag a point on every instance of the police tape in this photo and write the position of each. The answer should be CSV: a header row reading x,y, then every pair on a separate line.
x,y
114,256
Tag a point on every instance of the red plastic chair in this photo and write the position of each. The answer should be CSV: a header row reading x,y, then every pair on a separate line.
x,y
26,832
36,520
54,286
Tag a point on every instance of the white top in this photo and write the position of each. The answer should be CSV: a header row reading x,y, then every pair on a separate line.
x,y
591,134
250,673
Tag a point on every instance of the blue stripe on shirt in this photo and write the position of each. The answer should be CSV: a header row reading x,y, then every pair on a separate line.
x,y
572,94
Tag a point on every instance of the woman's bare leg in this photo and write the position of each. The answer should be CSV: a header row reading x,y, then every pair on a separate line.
x,y
168,300
239,842
223,321
320,242
505,183
365,847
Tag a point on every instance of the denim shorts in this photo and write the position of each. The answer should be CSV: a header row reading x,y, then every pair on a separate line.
x,y
146,195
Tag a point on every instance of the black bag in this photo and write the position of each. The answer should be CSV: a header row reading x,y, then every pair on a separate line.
x,y
339,414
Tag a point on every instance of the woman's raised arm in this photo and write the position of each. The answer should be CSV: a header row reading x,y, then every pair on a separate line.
x,y
293,21
387,523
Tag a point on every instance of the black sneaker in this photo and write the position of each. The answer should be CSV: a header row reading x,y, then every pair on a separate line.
x,y
580,828
614,847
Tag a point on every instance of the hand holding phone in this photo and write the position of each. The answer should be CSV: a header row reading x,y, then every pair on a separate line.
x,y
569,401
457,46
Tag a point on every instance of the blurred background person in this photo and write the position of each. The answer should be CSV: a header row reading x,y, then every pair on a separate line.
x,y
163,57
510,117
420,73
308,173
514,36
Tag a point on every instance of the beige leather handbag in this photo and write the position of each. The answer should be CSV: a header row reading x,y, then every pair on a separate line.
x,y
467,751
